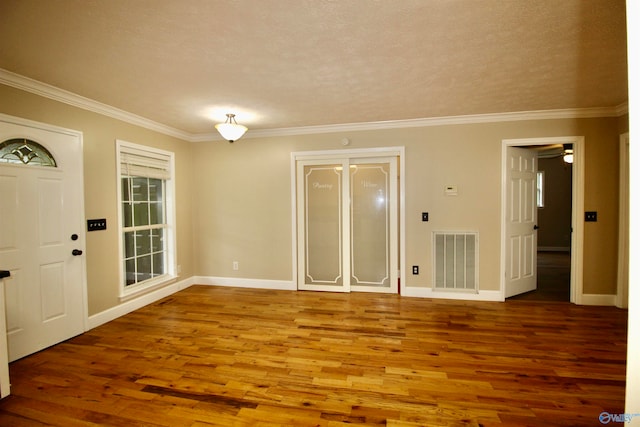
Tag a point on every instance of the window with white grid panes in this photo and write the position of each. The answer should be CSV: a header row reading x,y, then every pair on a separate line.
x,y
146,216
144,225
540,189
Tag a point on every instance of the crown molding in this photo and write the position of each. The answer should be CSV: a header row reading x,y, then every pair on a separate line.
x,y
48,91
442,121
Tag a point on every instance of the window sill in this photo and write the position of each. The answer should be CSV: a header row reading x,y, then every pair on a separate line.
x,y
148,286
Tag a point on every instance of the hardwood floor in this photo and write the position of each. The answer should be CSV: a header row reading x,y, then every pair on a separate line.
x,y
554,278
210,356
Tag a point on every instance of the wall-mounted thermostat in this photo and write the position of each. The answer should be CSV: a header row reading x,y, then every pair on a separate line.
x,y
451,190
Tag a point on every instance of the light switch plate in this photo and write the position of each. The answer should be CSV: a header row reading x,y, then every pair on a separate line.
x,y
96,224
591,216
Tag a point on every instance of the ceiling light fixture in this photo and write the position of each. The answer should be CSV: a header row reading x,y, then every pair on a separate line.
x,y
230,129
568,153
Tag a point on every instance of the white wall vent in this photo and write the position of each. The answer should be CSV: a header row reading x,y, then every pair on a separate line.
x,y
455,261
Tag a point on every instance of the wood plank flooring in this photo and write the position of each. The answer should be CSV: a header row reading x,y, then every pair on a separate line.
x,y
554,278
213,356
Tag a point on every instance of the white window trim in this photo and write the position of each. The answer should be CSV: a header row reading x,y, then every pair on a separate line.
x,y
128,292
540,183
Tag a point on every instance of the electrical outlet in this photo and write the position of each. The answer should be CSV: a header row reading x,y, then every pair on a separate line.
x,y
416,269
236,265
591,216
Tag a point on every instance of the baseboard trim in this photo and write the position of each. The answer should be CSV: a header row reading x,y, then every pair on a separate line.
x,y
136,303
554,248
409,291
598,299
235,282
288,285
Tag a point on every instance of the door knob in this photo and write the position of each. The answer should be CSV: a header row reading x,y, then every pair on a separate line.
x,y
76,252
535,227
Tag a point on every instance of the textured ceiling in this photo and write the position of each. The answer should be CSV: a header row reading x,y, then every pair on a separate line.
x,y
291,63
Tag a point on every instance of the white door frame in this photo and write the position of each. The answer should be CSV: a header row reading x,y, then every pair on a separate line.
x,y
622,294
577,207
348,154
77,134
5,382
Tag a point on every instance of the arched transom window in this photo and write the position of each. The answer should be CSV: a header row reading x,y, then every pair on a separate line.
x,y
26,152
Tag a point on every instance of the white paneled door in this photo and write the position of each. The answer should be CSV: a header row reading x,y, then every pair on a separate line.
x,y
42,237
347,224
521,222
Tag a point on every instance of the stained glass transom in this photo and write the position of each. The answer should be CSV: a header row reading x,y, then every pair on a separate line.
x,y
26,152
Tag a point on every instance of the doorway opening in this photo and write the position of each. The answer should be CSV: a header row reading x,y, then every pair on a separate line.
x,y
554,231
553,203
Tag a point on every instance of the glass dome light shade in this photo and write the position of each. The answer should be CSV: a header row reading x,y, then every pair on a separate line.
x,y
230,130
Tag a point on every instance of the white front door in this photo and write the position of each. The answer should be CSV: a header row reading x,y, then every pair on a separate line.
x,y
521,222
347,224
42,239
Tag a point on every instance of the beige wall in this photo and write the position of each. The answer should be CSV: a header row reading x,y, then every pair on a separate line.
x,y
243,202
234,200
99,136
554,218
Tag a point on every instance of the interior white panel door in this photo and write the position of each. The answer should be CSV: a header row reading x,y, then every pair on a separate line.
x,y
521,223
41,224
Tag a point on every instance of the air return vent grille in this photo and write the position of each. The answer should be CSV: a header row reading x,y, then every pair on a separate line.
x,y
455,261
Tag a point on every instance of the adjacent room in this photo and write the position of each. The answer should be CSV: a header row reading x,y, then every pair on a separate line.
x,y
420,216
